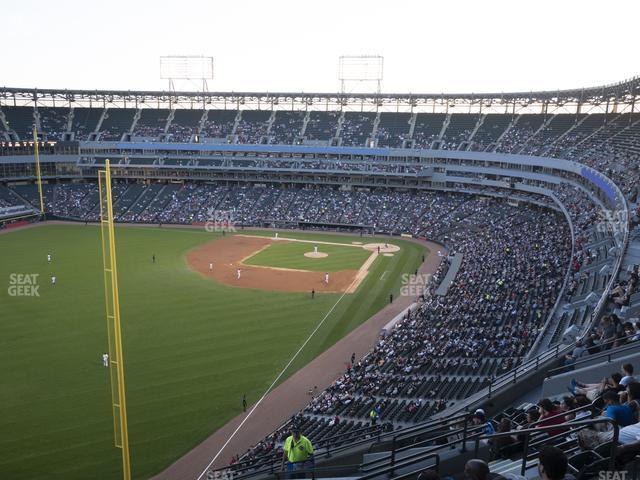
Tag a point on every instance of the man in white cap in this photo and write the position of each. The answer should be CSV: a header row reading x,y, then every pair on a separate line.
x,y
479,418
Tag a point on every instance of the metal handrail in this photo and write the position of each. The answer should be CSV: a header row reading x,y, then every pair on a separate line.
x,y
573,426
405,463
391,458
313,472
567,276
596,356
567,412
353,433
267,464
467,433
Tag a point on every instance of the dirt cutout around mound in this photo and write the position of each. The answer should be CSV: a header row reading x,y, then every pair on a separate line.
x,y
316,254
228,254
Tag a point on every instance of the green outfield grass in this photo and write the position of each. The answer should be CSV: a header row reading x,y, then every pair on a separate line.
x,y
192,347
291,255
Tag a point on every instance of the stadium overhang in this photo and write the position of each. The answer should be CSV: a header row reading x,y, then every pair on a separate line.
x,y
622,96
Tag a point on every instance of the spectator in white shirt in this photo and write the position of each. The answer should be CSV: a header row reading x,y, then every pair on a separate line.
x,y
627,375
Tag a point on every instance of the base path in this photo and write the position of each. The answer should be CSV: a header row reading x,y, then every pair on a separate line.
x,y
227,256
291,395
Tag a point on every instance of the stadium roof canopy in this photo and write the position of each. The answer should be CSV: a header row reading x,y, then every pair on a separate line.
x,y
605,97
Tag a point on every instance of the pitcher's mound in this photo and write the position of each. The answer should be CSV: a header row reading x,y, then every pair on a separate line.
x,y
384,247
316,254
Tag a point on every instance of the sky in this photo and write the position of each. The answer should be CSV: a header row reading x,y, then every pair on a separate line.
x,y
428,46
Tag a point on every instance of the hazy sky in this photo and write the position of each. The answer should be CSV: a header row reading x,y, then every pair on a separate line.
x,y
282,45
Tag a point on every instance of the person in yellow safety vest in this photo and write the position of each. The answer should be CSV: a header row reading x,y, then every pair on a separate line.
x,y
298,452
373,416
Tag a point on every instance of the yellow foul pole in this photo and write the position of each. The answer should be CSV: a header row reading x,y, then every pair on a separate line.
x,y
37,154
114,333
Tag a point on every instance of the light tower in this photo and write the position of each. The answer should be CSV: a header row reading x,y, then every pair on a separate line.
x,y
360,70
190,69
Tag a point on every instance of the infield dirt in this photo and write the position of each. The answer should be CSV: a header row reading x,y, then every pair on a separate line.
x,y
227,255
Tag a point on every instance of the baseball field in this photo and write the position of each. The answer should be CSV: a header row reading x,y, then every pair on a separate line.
x,y
196,337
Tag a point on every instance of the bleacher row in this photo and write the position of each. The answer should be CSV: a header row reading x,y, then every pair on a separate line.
x,y
551,134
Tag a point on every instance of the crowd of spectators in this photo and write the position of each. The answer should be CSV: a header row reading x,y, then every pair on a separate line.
x,y
511,273
356,130
217,129
513,265
389,138
252,132
287,127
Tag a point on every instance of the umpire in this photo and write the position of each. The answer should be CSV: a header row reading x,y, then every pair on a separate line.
x,y
298,453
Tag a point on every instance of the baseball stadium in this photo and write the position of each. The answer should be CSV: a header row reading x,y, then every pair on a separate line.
x,y
416,285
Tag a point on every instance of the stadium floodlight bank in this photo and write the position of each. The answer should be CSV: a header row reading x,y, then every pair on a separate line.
x,y
360,69
194,68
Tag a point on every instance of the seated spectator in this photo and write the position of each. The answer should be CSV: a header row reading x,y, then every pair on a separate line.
x,y
631,332
591,438
590,344
582,401
479,418
632,398
476,469
621,294
608,331
550,415
627,452
532,415
631,433
627,375
500,443
552,463
622,414
576,354
568,404
594,390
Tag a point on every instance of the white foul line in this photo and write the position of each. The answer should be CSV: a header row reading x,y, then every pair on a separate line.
x,y
272,384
